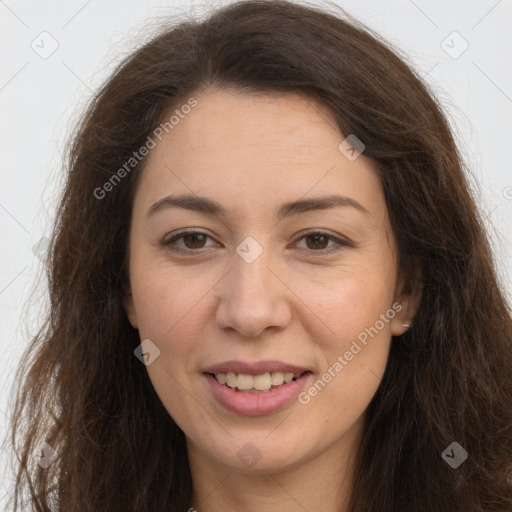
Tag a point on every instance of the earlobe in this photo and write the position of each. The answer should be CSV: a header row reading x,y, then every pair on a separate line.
x,y
129,308
404,319
409,299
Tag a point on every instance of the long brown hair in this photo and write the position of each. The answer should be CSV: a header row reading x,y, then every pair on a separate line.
x,y
80,388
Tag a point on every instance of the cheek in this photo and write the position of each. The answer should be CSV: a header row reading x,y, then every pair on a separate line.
x,y
170,313
354,352
354,304
165,298
353,355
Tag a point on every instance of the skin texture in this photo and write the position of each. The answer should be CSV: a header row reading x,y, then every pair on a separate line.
x,y
300,301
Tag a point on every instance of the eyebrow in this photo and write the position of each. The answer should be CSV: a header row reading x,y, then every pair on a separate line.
x,y
289,209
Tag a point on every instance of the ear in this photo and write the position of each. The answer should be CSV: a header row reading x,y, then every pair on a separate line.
x,y
408,295
129,308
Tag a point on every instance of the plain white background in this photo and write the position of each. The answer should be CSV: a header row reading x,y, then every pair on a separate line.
x,y
55,54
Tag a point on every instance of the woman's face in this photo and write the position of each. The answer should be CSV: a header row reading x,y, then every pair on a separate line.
x,y
278,259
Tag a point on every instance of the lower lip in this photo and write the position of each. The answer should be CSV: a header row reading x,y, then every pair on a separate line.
x,y
257,404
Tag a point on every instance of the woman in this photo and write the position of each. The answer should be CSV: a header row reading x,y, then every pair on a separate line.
x,y
270,288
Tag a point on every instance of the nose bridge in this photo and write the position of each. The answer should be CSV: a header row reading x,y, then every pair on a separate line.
x,y
250,282
252,298
250,273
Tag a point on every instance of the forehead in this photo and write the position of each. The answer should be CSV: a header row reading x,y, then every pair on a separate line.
x,y
254,151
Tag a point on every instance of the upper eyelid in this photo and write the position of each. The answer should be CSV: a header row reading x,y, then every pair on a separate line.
x,y
313,231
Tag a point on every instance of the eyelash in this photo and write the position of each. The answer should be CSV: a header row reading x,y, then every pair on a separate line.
x,y
340,243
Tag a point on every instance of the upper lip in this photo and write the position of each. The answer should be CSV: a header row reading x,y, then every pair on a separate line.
x,y
255,368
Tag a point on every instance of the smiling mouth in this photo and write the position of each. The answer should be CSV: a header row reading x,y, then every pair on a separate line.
x,y
262,383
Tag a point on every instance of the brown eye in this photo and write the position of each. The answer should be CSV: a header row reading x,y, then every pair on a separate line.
x,y
318,241
194,240
187,242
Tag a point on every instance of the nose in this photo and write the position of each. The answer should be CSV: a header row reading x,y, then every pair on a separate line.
x,y
253,298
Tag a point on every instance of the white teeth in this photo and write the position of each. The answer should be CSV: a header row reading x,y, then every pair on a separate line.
x,y
277,378
288,377
244,381
262,382
231,379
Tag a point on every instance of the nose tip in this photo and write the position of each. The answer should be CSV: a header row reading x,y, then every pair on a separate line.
x,y
252,299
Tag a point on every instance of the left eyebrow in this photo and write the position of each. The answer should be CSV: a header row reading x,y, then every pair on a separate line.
x,y
289,209
318,203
